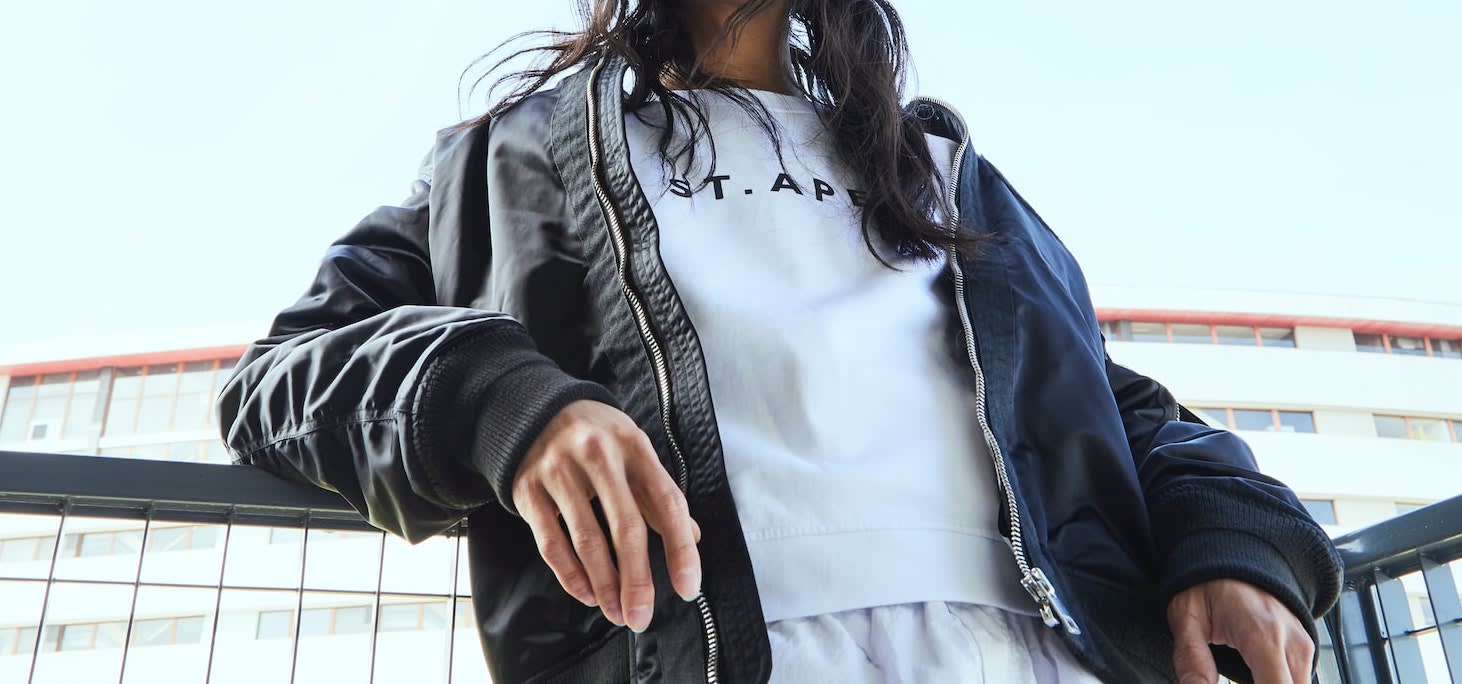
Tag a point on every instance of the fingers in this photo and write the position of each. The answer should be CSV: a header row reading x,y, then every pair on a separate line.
x,y
1264,653
1300,655
627,527
540,512
1192,658
1276,651
666,510
572,496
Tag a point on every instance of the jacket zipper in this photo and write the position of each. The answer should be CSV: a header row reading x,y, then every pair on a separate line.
x,y
1033,579
647,336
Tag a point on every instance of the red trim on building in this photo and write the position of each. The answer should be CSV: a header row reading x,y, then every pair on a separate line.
x,y
125,360
1281,321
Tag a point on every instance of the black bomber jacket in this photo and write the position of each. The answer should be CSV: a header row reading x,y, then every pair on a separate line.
x,y
439,336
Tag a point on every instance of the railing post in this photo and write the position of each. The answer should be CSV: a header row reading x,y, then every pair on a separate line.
x,y
1361,645
1396,613
1441,588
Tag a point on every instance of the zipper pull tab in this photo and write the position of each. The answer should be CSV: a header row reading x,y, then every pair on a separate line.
x,y
1053,612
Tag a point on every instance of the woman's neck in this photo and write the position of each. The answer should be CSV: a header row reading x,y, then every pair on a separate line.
x,y
755,57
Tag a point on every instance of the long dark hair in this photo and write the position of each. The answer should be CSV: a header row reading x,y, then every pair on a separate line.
x,y
849,57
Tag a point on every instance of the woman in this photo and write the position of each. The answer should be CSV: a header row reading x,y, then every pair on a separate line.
x,y
920,465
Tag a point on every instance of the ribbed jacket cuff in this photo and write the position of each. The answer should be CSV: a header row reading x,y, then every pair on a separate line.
x,y
1210,533
495,394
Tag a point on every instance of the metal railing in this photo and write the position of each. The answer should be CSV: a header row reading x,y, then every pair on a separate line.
x,y
130,570
1396,571
1373,635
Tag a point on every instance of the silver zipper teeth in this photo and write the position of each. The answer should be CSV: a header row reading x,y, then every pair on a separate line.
x,y
1033,580
657,355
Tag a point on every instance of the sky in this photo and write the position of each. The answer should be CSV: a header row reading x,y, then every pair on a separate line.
x,y
170,164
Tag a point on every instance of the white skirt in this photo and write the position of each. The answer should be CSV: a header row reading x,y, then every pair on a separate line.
x,y
922,642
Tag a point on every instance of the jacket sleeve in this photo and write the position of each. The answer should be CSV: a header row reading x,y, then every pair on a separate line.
x,y
414,412
1213,514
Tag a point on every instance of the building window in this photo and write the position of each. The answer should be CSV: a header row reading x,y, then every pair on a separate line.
x,y
182,538
1322,510
1451,349
1368,342
409,617
22,549
86,636
94,544
1402,507
1380,343
1149,332
168,631
1198,333
1235,335
1192,333
1266,420
172,397
274,624
49,407
1421,429
1276,337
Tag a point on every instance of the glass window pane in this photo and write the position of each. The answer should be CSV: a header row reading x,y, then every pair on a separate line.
x,y
188,630
1322,510
167,539
155,632
154,414
1253,419
127,383
400,617
1451,349
1149,332
111,634
1277,337
7,640
274,624
1213,415
1430,430
352,620
1391,426
1191,333
79,416
191,412
86,381
160,381
120,415
45,423
1296,421
1241,335
55,385
315,622
197,377
17,414
95,544
1112,330
1402,508
75,637
1411,346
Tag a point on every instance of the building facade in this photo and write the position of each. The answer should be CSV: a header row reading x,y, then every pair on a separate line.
x,y
1355,403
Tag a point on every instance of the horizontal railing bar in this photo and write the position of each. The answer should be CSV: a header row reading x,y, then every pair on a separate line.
x,y
184,485
1395,546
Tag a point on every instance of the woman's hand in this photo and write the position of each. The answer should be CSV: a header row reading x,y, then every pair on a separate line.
x,y
1272,641
592,450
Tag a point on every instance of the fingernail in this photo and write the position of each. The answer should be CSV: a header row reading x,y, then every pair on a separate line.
x,y
639,618
612,612
691,579
1194,679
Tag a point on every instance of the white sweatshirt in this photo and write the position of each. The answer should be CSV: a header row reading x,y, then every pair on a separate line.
x,y
857,464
